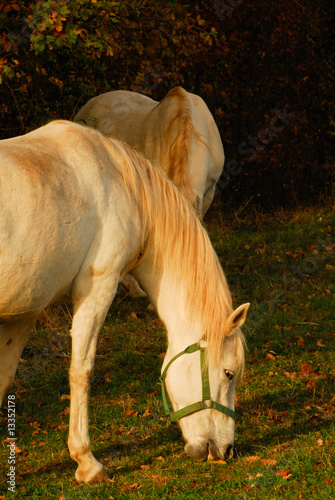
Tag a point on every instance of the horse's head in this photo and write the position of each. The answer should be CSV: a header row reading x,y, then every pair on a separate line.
x,y
203,393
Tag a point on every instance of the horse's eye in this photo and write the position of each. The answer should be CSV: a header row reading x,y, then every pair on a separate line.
x,y
229,374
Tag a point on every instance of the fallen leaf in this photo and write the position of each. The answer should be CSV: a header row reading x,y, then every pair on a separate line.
x,y
66,411
131,487
284,473
250,477
161,480
306,368
146,413
252,459
268,461
10,441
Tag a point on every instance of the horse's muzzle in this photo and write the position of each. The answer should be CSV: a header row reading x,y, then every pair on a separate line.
x,y
209,451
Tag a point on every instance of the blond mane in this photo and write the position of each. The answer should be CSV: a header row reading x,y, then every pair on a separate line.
x,y
181,245
180,147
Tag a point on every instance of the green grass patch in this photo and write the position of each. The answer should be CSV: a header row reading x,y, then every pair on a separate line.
x,y
284,448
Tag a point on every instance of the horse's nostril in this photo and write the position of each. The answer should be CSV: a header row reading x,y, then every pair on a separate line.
x,y
229,453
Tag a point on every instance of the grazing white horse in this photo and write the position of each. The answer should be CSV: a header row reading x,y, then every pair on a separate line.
x,y
178,133
79,211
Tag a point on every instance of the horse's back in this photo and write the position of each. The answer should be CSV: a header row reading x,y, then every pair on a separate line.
x,y
117,114
58,201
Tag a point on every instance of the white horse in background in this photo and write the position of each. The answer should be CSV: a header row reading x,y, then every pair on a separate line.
x,y
178,133
78,212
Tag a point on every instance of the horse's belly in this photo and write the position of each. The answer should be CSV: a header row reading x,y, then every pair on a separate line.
x,y
37,270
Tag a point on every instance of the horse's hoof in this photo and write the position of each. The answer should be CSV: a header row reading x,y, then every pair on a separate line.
x,y
100,477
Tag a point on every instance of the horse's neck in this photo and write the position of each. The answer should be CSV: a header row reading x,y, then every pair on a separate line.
x,y
168,296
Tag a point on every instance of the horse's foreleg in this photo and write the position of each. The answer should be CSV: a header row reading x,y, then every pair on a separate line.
x,y
13,338
87,321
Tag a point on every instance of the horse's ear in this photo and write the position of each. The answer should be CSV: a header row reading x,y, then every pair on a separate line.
x,y
237,318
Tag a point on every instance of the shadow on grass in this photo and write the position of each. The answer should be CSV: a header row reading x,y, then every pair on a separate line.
x,y
279,417
263,422
147,447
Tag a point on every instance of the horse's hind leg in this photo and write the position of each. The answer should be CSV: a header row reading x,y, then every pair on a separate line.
x,y
132,286
13,338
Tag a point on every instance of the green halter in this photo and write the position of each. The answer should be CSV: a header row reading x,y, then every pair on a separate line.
x,y
206,402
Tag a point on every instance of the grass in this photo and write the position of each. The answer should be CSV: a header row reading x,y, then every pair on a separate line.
x,y
284,448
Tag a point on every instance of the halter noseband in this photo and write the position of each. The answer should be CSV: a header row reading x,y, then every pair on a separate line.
x,y
206,402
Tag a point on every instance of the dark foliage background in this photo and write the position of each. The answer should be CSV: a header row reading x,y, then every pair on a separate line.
x,y
265,69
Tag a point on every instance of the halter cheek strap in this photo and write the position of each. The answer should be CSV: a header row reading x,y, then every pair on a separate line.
x,y
206,402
